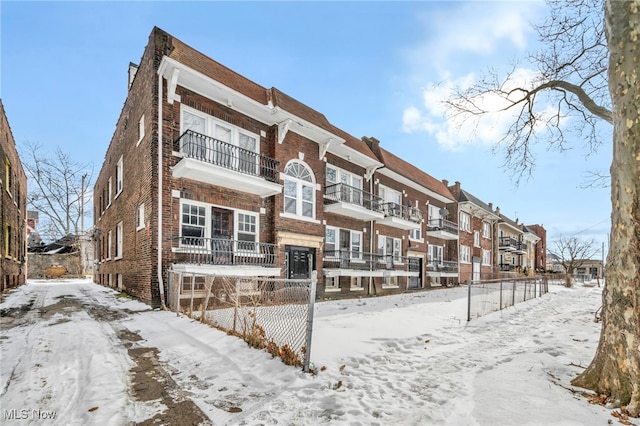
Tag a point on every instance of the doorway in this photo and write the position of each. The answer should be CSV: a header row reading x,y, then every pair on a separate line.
x,y
300,261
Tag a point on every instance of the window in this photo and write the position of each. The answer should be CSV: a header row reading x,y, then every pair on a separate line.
x,y
465,222
390,281
435,255
7,175
476,239
465,254
109,192
299,191
119,176
486,229
247,228
244,159
486,257
201,221
388,246
192,229
331,284
351,188
415,234
109,246
140,217
7,240
356,283
140,130
119,236
347,241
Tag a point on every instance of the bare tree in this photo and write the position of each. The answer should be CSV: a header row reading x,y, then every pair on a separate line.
x,y
57,186
572,252
588,71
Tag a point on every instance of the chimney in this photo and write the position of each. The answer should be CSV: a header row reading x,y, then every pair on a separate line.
x,y
374,145
498,210
446,182
491,206
133,69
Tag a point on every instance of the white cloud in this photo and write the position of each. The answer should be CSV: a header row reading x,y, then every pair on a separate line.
x,y
454,132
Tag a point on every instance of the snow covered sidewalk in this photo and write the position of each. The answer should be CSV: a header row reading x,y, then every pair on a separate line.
x,y
410,359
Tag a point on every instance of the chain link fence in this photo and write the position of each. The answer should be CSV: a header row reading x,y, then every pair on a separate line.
x,y
268,313
485,297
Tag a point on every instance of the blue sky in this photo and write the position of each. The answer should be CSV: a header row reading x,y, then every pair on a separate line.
x,y
372,68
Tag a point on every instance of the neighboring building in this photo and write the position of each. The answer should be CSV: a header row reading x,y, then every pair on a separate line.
x,y
530,240
511,246
13,210
477,244
541,247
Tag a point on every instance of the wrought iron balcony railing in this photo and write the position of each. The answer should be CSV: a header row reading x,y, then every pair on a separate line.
x,y
219,251
411,214
508,242
341,192
437,265
442,225
348,259
213,151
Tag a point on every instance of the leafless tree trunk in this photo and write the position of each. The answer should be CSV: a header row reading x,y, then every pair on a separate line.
x,y
572,252
56,189
615,370
591,74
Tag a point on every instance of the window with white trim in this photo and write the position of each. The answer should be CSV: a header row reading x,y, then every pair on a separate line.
x,y
345,240
465,254
299,190
109,192
247,230
390,246
435,254
351,188
109,245
476,239
197,218
119,176
193,224
465,222
486,230
416,234
390,281
486,257
119,236
356,283
331,283
140,217
207,125
389,195
140,130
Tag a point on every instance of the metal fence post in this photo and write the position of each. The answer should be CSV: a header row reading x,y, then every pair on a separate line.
x,y
468,300
500,295
312,299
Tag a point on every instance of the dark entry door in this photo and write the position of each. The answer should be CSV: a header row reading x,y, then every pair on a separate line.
x,y
415,263
221,235
299,261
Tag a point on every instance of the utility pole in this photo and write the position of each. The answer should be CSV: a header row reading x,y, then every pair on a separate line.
x,y
84,176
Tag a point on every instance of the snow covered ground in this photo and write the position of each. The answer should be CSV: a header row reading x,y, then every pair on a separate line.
x,y
410,359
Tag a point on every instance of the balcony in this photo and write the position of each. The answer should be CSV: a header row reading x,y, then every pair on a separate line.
x,y
440,268
212,161
507,243
353,202
442,228
218,251
520,248
402,217
358,261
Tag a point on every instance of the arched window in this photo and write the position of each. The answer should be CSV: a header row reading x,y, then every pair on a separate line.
x,y
299,190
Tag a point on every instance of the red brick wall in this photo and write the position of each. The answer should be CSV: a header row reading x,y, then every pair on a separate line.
x,y
13,210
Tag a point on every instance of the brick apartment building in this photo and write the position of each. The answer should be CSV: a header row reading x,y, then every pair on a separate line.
x,y
208,172
477,244
13,210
